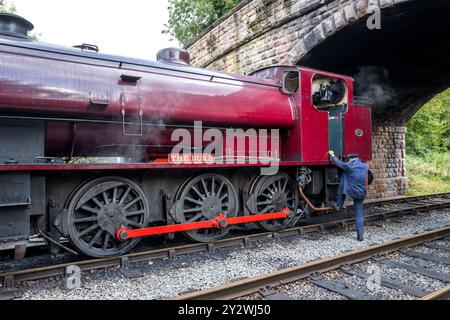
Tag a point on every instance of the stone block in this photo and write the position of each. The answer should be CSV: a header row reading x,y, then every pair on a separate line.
x,y
350,13
386,3
362,7
339,19
328,26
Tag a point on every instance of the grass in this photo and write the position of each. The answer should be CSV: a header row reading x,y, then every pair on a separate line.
x,y
426,177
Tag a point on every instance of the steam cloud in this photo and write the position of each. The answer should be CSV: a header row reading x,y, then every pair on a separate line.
x,y
373,83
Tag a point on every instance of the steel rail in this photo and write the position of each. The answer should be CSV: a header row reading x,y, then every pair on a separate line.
x,y
249,286
9,278
442,294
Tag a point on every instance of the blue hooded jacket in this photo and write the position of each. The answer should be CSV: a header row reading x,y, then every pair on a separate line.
x,y
354,178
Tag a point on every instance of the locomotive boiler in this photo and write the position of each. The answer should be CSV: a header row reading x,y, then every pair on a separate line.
x,y
86,141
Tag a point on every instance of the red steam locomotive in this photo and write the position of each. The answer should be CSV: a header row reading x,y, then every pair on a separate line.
x,y
88,145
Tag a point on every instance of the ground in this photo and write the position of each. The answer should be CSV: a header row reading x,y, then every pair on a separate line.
x,y
424,178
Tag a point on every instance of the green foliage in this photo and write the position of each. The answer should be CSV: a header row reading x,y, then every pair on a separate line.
x,y
428,147
425,178
188,18
6,7
429,130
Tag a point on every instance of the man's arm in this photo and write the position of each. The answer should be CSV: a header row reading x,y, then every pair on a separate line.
x,y
344,166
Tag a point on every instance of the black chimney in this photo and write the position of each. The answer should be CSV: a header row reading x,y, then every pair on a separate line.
x,y
12,25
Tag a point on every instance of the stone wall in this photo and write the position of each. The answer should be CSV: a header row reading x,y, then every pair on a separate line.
x,y
260,33
388,164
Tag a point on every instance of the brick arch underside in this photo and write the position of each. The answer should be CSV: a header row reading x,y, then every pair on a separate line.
x,y
399,67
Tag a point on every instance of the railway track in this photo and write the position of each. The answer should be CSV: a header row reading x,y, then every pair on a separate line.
x,y
272,286
403,206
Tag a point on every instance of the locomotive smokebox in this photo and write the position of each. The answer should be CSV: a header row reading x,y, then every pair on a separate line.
x,y
174,55
12,25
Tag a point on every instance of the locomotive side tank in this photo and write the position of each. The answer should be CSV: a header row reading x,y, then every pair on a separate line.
x,y
44,80
132,100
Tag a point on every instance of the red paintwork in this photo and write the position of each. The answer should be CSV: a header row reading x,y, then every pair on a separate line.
x,y
40,80
359,117
55,85
308,139
220,222
158,165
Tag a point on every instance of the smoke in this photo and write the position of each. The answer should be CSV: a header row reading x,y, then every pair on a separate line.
x,y
372,83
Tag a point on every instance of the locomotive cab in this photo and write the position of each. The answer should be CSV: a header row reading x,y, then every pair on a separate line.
x,y
326,116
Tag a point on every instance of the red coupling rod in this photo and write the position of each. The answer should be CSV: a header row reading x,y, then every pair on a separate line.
x,y
220,222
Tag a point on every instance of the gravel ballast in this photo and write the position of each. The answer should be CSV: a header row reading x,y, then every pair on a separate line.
x,y
161,279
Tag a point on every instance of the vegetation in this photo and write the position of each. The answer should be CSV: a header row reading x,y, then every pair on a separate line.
x,y
6,7
188,18
424,179
428,147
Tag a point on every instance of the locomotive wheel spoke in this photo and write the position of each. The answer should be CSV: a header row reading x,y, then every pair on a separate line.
x,y
196,217
132,203
267,209
194,201
89,209
285,185
220,188
97,202
205,188
106,241
95,238
135,224
267,196
212,186
89,230
134,213
193,210
82,220
105,197
119,202
114,198
198,193
125,195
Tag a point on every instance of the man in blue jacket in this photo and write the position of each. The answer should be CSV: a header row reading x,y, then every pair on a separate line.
x,y
353,184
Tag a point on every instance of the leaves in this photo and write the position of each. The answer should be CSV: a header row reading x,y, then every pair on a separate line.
x,y
429,130
188,18
428,136
6,7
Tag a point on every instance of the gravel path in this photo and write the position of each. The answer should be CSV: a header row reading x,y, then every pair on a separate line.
x,y
161,279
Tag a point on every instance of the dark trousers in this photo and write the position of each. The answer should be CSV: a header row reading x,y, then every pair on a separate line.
x,y
359,216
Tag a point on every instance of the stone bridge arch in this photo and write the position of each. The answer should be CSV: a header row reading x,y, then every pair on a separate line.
x,y
399,67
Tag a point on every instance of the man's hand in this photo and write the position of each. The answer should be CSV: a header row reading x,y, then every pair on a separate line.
x,y
330,154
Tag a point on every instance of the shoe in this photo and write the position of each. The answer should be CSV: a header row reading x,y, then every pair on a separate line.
x,y
360,238
335,206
